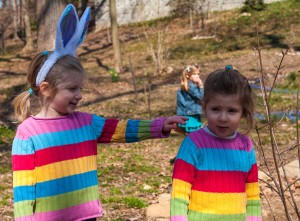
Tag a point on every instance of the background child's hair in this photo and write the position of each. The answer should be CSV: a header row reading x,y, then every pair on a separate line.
x,y
188,71
62,72
229,81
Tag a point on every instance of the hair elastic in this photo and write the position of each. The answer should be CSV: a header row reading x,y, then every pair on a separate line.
x,y
45,53
228,67
30,91
188,69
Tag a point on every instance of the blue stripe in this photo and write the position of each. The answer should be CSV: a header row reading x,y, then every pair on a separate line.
x,y
22,147
22,193
42,141
132,130
215,158
66,184
60,138
97,125
57,186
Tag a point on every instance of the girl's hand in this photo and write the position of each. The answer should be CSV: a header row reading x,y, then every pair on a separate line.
x,y
200,83
171,122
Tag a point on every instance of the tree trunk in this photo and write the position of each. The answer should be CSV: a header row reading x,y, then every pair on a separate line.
x,y
29,46
15,18
48,13
115,35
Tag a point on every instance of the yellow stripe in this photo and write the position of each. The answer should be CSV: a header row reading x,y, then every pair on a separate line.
x,y
253,191
181,189
119,134
218,203
55,171
66,168
23,178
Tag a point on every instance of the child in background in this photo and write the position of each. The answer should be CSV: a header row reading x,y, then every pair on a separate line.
x,y
54,153
215,173
189,99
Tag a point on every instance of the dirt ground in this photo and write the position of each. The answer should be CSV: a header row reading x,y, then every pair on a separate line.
x,y
108,99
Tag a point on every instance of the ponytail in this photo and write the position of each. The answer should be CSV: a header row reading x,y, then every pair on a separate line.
x,y
22,106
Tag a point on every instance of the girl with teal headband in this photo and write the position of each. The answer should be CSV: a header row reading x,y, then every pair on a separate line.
x,y
215,174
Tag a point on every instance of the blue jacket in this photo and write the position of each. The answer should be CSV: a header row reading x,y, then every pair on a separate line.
x,y
189,102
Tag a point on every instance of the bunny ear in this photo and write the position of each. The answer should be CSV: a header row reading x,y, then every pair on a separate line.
x,y
83,25
66,27
70,33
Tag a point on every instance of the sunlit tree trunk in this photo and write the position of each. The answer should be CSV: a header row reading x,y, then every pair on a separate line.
x,y
48,13
29,46
115,35
15,18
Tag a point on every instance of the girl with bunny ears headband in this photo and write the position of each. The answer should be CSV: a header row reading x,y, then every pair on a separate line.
x,y
54,153
70,33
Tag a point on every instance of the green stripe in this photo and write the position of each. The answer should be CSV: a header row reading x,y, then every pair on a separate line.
x,y
178,206
66,200
23,208
196,216
144,131
253,208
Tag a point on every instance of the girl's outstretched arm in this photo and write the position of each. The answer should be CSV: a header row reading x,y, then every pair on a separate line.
x,y
127,131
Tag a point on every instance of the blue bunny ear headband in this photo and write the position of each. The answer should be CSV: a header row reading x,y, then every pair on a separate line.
x,y
70,33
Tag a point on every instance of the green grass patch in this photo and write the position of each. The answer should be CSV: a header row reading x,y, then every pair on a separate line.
x,y
134,202
6,135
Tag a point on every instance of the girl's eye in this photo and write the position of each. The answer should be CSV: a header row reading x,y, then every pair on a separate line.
x,y
215,109
233,111
73,88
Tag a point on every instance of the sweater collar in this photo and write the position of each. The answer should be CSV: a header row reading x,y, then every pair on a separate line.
x,y
207,130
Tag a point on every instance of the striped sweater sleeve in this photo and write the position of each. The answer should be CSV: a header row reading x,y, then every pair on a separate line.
x,y
118,131
253,191
183,175
23,177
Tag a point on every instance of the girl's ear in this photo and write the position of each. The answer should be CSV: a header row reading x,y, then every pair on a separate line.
x,y
45,89
187,76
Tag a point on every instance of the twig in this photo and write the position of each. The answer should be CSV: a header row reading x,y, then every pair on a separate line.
x,y
273,144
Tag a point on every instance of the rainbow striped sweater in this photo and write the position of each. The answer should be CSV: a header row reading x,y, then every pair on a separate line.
x,y
55,166
215,179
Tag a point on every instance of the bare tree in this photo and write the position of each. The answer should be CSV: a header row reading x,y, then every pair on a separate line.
x,y
115,35
5,21
48,13
15,18
29,46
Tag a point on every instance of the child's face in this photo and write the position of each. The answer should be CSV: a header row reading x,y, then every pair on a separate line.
x,y
223,113
194,78
67,97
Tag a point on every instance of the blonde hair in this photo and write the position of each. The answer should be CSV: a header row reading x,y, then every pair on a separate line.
x,y
61,72
186,73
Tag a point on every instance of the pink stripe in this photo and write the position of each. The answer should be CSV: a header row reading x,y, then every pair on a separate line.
x,y
25,218
179,218
202,139
73,121
83,211
254,218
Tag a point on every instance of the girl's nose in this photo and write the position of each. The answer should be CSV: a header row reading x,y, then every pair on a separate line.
x,y
223,116
78,95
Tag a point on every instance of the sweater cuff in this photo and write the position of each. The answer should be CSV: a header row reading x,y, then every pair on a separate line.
x,y
157,128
